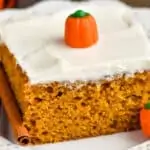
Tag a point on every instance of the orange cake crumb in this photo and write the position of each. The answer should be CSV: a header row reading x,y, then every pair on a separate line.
x,y
60,111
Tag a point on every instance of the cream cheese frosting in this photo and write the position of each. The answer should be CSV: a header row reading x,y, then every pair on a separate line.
x,y
38,46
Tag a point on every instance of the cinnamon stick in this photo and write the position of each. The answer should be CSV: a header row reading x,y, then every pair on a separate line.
x,y
12,111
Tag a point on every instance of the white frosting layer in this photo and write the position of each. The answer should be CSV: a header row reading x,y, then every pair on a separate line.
x,y
39,48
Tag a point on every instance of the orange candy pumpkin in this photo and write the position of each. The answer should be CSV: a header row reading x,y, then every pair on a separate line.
x,y
145,119
81,30
7,4
1,4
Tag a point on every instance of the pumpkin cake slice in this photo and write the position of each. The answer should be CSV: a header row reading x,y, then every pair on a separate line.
x,y
78,73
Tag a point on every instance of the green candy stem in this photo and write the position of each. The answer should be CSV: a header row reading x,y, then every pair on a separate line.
x,y
79,14
147,106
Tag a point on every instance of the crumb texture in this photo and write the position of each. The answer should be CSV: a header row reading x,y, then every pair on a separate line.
x,y
61,111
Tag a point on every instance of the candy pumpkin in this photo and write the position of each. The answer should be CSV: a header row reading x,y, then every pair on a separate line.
x,y
145,119
1,4
81,30
7,4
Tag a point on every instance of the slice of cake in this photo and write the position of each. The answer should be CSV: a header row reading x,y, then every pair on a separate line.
x,y
77,75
